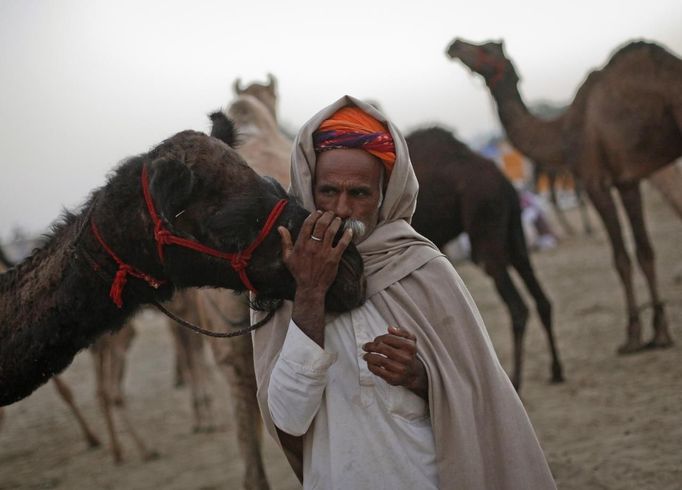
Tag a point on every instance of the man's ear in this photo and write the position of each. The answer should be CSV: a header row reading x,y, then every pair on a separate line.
x,y
170,183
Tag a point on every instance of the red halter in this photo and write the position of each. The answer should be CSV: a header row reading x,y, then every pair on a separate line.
x,y
239,260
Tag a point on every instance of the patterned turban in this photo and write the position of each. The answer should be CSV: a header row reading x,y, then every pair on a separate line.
x,y
351,127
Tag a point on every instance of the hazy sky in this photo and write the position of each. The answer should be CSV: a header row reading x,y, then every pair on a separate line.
x,y
84,84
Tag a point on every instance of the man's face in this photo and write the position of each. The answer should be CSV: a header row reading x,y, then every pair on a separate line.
x,y
347,183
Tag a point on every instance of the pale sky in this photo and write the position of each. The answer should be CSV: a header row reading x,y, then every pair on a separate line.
x,y
85,83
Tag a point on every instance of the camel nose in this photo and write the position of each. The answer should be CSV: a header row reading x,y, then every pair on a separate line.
x,y
452,48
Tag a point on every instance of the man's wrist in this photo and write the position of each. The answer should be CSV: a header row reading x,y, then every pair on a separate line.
x,y
308,313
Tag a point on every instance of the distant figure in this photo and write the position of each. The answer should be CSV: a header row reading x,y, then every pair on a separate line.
x,y
536,226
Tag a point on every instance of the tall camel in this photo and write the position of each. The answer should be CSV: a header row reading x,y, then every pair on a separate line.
x,y
267,151
624,124
188,213
460,191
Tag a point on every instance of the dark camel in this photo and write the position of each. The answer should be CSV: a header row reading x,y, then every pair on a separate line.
x,y
624,124
72,290
460,191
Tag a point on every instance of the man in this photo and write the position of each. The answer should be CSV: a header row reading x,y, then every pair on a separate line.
x,y
404,391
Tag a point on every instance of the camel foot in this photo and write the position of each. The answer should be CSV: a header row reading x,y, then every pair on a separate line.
x,y
631,347
659,343
151,456
557,373
93,442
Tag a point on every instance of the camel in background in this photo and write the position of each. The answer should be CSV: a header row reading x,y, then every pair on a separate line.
x,y
267,151
265,92
460,191
624,124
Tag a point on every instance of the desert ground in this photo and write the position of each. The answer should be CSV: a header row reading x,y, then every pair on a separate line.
x,y
615,423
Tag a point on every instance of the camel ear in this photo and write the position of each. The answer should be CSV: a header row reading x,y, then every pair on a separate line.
x,y
272,82
170,183
237,86
223,128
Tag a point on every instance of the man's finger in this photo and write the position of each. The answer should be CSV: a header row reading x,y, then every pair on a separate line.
x,y
308,225
287,244
400,332
344,241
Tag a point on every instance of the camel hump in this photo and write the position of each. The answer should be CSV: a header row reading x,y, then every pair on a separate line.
x,y
428,139
634,49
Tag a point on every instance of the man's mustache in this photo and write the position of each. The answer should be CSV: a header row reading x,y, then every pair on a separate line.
x,y
358,227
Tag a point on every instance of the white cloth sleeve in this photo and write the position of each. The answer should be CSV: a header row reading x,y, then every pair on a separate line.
x,y
297,382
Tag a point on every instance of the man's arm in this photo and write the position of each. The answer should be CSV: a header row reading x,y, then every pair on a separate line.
x,y
314,262
299,377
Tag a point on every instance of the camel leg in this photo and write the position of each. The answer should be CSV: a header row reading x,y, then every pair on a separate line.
x,y
606,207
67,395
561,217
101,354
632,201
239,373
517,310
118,351
522,264
190,348
582,206
668,181
2,416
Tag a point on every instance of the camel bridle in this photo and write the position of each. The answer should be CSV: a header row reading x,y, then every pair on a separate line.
x,y
163,237
238,260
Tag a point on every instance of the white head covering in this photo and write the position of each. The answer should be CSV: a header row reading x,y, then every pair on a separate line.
x,y
394,249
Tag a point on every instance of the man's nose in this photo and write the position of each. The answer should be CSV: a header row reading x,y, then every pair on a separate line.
x,y
343,209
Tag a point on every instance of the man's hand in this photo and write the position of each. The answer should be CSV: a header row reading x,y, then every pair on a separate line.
x,y
314,262
393,357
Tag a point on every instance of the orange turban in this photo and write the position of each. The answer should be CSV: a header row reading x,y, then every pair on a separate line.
x,y
351,127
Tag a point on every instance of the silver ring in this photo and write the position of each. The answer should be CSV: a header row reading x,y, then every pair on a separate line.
x,y
313,237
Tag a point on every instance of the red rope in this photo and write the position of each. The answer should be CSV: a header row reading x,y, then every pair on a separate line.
x,y
121,277
239,260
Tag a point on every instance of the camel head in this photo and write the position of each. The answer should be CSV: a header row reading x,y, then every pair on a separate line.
x,y
487,59
205,192
251,116
265,92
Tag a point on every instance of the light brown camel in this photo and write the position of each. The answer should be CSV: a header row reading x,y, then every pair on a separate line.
x,y
109,353
267,151
265,92
624,124
189,213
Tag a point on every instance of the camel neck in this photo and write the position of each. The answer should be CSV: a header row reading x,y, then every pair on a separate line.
x,y
55,305
538,139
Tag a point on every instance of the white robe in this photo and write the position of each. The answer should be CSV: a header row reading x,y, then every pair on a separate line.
x,y
359,431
